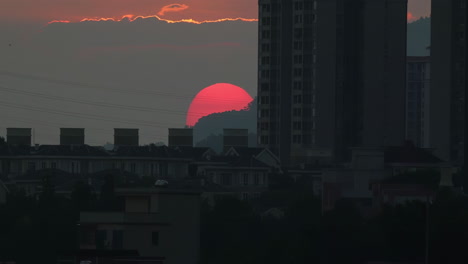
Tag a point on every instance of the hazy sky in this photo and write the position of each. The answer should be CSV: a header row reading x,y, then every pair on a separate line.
x,y
101,75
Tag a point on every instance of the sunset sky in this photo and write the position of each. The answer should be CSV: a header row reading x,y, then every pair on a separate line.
x,y
75,10
102,75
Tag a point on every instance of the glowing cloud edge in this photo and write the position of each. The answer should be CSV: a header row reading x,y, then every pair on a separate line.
x,y
132,18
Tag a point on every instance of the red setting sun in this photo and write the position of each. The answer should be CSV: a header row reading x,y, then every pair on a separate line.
x,y
217,98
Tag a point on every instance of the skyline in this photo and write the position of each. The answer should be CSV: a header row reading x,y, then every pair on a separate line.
x,y
148,63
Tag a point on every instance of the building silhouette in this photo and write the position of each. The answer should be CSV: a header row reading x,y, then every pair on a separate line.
x,y
331,77
448,78
418,100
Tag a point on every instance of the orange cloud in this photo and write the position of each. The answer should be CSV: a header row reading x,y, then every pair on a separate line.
x,y
132,18
172,8
410,17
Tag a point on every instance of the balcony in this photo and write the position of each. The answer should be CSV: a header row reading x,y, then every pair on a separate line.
x,y
122,218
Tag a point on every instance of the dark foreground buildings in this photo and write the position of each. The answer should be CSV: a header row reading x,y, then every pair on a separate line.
x,y
331,77
448,78
448,82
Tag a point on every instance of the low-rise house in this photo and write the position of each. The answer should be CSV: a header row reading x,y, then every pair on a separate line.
x,y
3,192
369,166
145,161
241,172
161,224
393,194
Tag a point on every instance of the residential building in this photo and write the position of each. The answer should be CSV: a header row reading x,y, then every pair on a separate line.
x,y
448,79
3,192
370,166
161,224
240,171
418,100
331,77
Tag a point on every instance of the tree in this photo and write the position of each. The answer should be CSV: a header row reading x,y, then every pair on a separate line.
x,y
107,199
82,196
48,189
342,234
2,141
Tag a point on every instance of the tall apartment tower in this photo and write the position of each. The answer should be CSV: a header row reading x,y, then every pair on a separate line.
x,y
418,100
331,76
448,83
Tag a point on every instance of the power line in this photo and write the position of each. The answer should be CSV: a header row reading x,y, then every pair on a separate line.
x,y
99,104
79,115
102,87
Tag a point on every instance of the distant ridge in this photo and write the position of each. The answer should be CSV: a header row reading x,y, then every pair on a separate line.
x,y
419,37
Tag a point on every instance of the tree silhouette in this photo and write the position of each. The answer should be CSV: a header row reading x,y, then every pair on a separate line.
x,y
82,196
107,199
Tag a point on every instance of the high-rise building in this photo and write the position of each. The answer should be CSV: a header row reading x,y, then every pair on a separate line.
x,y
417,100
331,76
448,50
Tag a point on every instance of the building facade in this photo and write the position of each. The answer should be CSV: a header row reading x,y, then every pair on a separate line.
x,y
418,100
331,76
160,224
448,81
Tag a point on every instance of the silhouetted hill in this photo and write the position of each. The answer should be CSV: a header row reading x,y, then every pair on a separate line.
x,y
419,37
208,132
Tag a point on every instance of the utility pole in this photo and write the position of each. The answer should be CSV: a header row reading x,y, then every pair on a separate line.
x,y
464,173
427,230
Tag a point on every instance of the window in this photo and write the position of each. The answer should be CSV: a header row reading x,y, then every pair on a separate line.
x,y
266,47
298,6
266,34
264,140
245,179
298,32
265,113
155,238
265,86
133,167
297,45
297,72
226,179
266,21
265,74
264,125
297,139
297,99
298,59
297,125
298,19
265,100
265,60
101,239
297,85
32,166
266,8
117,239
255,195
72,168
256,179
297,112
245,196
53,165
122,165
